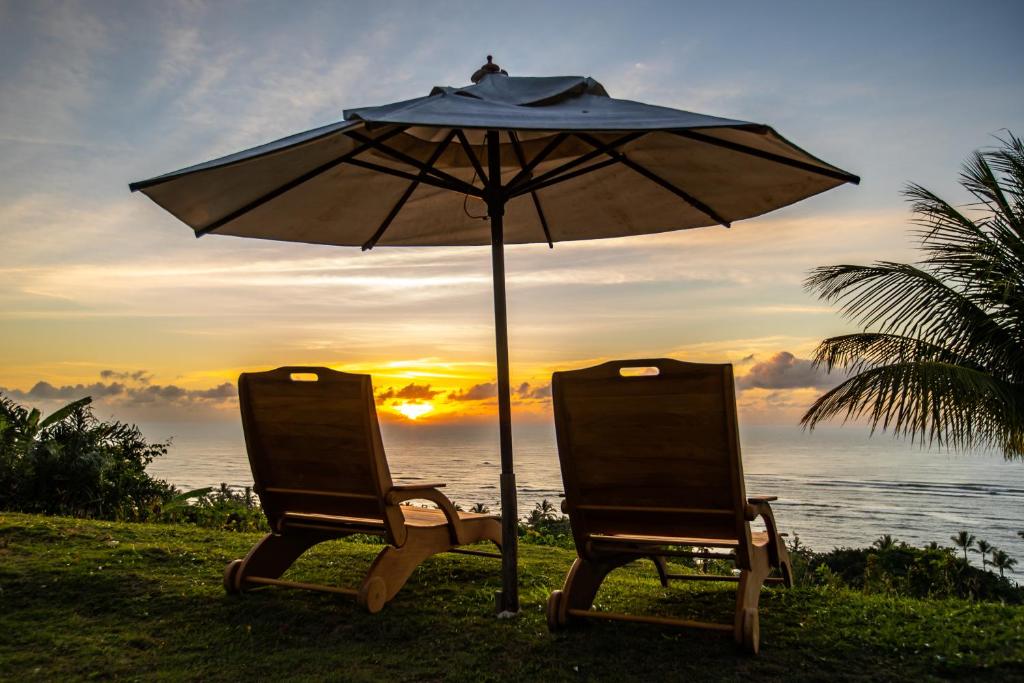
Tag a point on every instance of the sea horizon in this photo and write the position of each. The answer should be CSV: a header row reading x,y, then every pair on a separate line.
x,y
837,486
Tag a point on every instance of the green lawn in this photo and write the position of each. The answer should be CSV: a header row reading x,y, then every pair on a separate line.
x,y
86,599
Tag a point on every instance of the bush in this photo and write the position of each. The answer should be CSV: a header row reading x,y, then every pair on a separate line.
x,y
71,463
221,508
900,569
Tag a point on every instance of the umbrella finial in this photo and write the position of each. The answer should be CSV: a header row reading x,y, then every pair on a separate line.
x,y
489,68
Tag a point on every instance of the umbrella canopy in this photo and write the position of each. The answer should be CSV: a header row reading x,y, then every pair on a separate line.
x,y
544,159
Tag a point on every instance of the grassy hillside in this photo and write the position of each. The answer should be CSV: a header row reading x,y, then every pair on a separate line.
x,y
82,599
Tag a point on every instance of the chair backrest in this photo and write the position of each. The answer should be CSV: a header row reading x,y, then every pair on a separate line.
x,y
314,443
652,454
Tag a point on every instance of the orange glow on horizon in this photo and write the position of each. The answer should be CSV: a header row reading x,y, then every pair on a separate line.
x,y
414,411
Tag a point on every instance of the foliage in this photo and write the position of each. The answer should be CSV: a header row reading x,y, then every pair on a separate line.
x,y
1002,561
941,357
102,600
71,463
222,508
963,540
895,568
544,526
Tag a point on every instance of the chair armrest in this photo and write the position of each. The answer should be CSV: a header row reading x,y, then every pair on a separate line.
x,y
398,494
761,499
414,487
759,507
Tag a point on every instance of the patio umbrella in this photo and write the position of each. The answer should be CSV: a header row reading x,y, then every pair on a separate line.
x,y
552,159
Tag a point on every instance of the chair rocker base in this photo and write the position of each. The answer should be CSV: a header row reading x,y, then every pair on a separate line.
x,y
390,570
574,602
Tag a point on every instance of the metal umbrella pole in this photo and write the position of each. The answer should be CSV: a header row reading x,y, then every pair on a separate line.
x,y
508,599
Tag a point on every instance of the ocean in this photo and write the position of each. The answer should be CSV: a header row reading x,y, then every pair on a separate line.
x,y
836,487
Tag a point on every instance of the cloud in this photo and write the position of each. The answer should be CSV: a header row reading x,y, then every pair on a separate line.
x,y
131,388
477,392
140,376
410,392
526,391
44,391
785,371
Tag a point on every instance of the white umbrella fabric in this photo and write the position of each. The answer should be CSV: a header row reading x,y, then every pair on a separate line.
x,y
552,158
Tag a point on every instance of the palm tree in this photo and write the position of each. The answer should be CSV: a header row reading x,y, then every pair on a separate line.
x,y
886,542
941,355
984,547
479,508
1002,561
963,540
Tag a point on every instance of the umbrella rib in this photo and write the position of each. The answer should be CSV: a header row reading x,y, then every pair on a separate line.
x,y
743,149
372,242
472,155
602,148
654,177
369,165
536,200
291,184
536,187
415,163
541,156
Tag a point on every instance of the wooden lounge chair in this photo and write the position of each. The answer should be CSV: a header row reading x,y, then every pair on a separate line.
x,y
319,468
651,468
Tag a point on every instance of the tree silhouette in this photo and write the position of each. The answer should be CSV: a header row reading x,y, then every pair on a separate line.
x,y
964,540
1002,561
886,542
983,547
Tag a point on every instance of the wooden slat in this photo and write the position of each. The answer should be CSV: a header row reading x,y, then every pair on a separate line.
x,y
703,577
311,492
665,540
264,581
478,553
641,508
665,621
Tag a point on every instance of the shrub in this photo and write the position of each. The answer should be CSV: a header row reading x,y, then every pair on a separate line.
x,y
71,463
222,508
901,569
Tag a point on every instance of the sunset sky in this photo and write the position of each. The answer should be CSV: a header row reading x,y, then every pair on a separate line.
x,y
103,293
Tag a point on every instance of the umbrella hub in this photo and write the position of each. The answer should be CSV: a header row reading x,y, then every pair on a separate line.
x,y
489,68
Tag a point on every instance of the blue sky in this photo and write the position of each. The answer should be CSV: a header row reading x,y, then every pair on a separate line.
x,y
95,94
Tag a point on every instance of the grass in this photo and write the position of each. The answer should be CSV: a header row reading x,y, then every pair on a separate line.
x,y
86,599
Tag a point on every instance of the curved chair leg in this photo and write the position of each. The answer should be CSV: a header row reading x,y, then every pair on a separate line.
x,y
659,564
393,566
784,564
746,628
581,586
270,558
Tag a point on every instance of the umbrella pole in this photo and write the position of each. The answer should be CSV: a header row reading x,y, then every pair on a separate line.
x,y
508,599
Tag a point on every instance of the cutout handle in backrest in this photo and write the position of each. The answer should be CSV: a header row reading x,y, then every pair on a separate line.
x,y
639,371
304,377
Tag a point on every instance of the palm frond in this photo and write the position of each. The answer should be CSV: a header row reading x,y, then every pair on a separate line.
x,y
970,253
904,300
1008,162
930,402
865,350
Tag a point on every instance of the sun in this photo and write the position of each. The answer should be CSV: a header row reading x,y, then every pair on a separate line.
x,y
414,410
